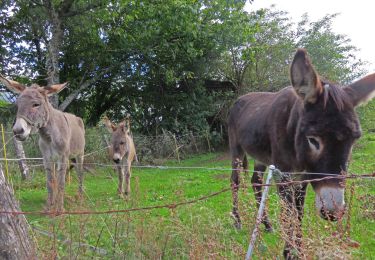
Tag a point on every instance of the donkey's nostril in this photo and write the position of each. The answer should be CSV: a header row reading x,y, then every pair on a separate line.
x,y
116,160
18,131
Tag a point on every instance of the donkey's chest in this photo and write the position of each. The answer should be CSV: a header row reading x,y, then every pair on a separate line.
x,y
54,145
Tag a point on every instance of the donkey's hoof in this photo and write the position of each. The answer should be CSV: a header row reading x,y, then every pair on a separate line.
x,y
79,196
237,222
237,225
269,229
291,254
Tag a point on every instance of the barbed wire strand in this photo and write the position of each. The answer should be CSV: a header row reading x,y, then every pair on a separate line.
x,y
88,212
165,167
175,205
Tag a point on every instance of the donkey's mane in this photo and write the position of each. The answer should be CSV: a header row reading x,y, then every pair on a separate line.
x,y
336,93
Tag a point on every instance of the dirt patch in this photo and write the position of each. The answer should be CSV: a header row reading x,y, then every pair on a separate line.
x,y
220,157
368,206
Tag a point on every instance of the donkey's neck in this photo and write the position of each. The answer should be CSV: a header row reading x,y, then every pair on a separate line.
x,y
55,118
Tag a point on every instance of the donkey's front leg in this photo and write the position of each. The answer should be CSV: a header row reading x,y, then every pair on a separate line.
x,y
61,172
127,177
291,216
300,193
50,183
120,171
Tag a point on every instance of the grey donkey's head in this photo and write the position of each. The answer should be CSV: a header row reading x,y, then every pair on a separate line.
x,y
120,137
33,107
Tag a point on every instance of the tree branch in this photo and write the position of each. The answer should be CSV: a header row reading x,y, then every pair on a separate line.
x,y
65,7
89,7
83,85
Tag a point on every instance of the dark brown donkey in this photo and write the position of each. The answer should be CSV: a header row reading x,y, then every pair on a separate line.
x,y
62,135
310,126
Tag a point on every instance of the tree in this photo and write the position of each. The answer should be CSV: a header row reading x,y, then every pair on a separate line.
x,y
333,54
34,37
273,49
276,40
140,58
15,242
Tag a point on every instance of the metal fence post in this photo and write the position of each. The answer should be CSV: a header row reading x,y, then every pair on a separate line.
x,y
260,213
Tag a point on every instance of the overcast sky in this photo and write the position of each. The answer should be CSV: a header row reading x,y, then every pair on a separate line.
x,y
356,19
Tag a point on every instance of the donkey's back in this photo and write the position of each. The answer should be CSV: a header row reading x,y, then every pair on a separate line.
x,y
253,119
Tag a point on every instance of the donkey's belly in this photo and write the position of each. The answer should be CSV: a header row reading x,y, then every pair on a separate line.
x,y
257,147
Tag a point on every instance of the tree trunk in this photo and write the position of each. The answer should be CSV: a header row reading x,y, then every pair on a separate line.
x,y
54,46
25,174
15,242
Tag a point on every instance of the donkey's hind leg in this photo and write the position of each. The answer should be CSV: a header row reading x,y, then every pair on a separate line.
x,y
258,179
237,163
79,169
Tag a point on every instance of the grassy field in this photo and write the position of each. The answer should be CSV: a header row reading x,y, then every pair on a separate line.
x,y
198,230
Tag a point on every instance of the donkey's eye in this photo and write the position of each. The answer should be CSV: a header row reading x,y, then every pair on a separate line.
x,y
122,142
314,142
36,105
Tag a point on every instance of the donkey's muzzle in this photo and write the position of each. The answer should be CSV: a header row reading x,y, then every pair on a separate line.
x,y
18,131
331,216
329,202
21,129
117,158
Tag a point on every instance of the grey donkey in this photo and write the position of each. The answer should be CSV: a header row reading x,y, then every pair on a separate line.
x,y
123,152
62,135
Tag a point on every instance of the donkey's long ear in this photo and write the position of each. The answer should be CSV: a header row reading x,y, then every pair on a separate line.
x,y
110,126
54,89
305,80
127,121
362,91
124,127
12,85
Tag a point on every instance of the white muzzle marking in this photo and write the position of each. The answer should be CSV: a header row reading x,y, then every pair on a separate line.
x,y
22,129
116,156
330,199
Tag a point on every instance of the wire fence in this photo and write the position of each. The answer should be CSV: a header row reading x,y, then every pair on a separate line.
x,y
181,203
343,175
99,158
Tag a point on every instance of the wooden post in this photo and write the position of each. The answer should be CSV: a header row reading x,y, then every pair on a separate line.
x,y
107,144
4,151
208,141
15,242
20,153
194,141
177,148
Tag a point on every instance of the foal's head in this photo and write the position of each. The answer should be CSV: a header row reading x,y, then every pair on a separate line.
x,y
32,106
327,130
119,141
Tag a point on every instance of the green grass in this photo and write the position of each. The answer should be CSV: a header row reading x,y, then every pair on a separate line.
x,y
199,230
203,229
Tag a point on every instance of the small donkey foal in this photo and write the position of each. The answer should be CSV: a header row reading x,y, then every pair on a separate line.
x,y
123,152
